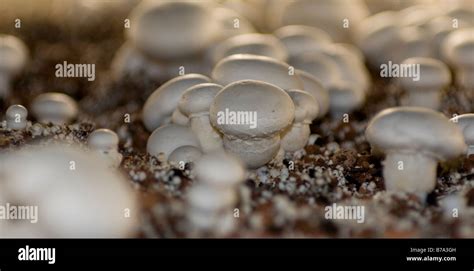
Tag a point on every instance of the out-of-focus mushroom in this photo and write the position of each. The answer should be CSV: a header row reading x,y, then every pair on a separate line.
x,y
13,59
54,107
167,138
16,117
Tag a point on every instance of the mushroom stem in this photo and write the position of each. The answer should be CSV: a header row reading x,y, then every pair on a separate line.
x,y
4,86
179,118
410,171
209,139
253,152
296,137
428,99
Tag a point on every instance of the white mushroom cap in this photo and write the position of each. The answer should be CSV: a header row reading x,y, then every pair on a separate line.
x,y
351,69
103,139
162,102
466,123
197,99
179,118
13,53
313,86
185,154
434,75
169,137
172,29
300,39
16,116
345,98
404,129
379,36
14,56
415,43
458,48
54,107
220,170
253,44
251,67
306,106
320,66
88,201
274,108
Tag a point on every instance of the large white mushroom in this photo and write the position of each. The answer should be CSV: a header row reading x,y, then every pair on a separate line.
x,y
412,154
76,194
251,115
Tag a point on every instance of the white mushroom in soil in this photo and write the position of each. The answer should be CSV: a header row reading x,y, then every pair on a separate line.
x,y
194,104
412,154
161,104
252,44
458,49
155,26
212,198
77,194
252,67
14,56
251,115
466,123
106,142
315,88
54,107
425,90
306,110
167,138
184,155
299,39
16,117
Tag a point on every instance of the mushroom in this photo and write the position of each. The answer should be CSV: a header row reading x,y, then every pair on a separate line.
x,y
76,193
163,102
172,29
194,104
345,98
251,67
466,123
14,56
319,65
214,194
253,44
16,117
179,118
251,115
458,49
425,90
299,39
54,107
105,142
226,18
306,110
185,154
412,154
379,36
167,138
315,88
415,43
